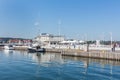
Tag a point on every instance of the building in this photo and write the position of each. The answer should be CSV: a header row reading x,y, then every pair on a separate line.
x,y
49,38
72,42
20,41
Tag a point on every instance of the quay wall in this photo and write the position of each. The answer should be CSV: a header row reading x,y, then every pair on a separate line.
x,y
95,55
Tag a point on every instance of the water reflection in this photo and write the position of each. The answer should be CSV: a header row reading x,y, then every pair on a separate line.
x,y
88,61
97,65
56,67
8,52
56,57
46,58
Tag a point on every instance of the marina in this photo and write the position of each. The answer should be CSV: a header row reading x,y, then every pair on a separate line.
x,y
59,40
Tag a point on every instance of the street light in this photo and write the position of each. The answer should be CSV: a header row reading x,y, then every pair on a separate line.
x,y
111,39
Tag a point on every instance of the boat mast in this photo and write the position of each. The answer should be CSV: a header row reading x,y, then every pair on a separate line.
x,y
59,24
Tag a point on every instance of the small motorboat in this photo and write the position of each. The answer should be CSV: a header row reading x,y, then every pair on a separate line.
x,y
8,47
36,49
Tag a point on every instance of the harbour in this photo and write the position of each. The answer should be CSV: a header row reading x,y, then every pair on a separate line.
x,y
59,40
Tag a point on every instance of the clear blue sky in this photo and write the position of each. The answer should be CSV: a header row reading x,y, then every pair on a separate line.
x,y
26,18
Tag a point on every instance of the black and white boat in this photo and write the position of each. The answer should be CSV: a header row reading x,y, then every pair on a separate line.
x,y
36,49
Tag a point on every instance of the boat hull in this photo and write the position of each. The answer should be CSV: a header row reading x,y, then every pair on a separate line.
x,y
36,50
8,47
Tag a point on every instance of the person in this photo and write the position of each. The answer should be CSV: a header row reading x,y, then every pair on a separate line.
x,y
87,47
113,48
38,47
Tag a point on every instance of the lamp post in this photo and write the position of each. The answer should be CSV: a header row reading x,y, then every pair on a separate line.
x,y
111,39
103,39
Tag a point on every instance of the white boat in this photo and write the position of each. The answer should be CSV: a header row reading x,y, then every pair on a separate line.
x,y
8,47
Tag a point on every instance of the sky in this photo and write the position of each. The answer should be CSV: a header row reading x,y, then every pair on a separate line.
x,y
77,19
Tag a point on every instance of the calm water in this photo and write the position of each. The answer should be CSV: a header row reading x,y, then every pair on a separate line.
x,y
16,65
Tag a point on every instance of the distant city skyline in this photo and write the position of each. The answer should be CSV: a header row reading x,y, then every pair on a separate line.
x,y
77,19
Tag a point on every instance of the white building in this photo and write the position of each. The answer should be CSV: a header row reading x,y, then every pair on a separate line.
x,y
72,41
49,38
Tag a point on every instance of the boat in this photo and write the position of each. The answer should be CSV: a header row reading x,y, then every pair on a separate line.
x,y
8,47
36,49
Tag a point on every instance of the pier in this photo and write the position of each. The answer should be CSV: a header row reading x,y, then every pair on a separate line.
x,y
95,54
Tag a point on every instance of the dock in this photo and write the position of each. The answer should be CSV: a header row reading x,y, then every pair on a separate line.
x,y
95,54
